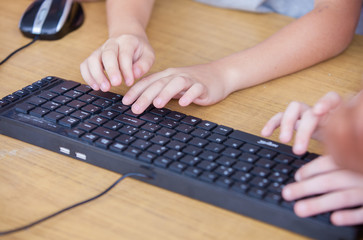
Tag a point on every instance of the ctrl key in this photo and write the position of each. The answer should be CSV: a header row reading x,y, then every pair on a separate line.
x,y
24,107
75,133
117,147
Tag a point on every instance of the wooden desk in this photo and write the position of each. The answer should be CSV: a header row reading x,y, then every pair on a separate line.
x,y
35,182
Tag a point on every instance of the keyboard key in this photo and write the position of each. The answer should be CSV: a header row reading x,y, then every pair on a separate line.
x,y
87,98
53,116
217,138
76,104
176,116
190,120
174,155
39,112
250,148
147,157
169,123
98,120
51,105
36,101
159,140
83,88
125,139
68,121
89,137
129,120
184,128
91,109
106,95
224,171
224,182
72,94
141,144
88,127
162,162
62,99
117,147
106,133
21,93
193,172
222,130
208,176
266,153
207,165
24,107
64,86
160,111
257,192
75,133
177,167
103,143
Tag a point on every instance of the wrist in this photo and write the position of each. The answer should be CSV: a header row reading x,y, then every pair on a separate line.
x,y
127,29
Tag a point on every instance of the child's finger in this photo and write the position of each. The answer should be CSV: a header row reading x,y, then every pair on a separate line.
x,y
292,114
138,88
96,69
88,77
323,183
272,124
348,217
318,166
143,64
148,96
329,101
196,91
125,61
110,63
306,128
329,202
172,88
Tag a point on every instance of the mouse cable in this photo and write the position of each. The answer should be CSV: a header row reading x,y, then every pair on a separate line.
x,y
21,48
2,233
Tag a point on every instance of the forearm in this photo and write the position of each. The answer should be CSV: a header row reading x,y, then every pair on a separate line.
x,y
319,35
128,16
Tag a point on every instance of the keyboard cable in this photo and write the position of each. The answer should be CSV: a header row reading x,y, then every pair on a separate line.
x,y
19,49
3,233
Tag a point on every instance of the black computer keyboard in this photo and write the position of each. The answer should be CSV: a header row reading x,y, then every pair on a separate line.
x,y
197,158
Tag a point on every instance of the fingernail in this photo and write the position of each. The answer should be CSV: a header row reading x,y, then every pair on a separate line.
x,y
126,100
287,193
301,209
183,102
297,176
284,137
115,80
136,108
104,87
299,148
158,102
95,87
263,131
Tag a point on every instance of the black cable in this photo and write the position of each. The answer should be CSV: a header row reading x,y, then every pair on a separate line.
x,y
74,205
21,48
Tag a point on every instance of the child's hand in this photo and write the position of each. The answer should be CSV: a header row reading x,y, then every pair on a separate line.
x,y
200,84
126,57
302,118
332,189
343,134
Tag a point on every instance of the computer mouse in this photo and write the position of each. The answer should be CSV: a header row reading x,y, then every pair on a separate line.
x,y
51,19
